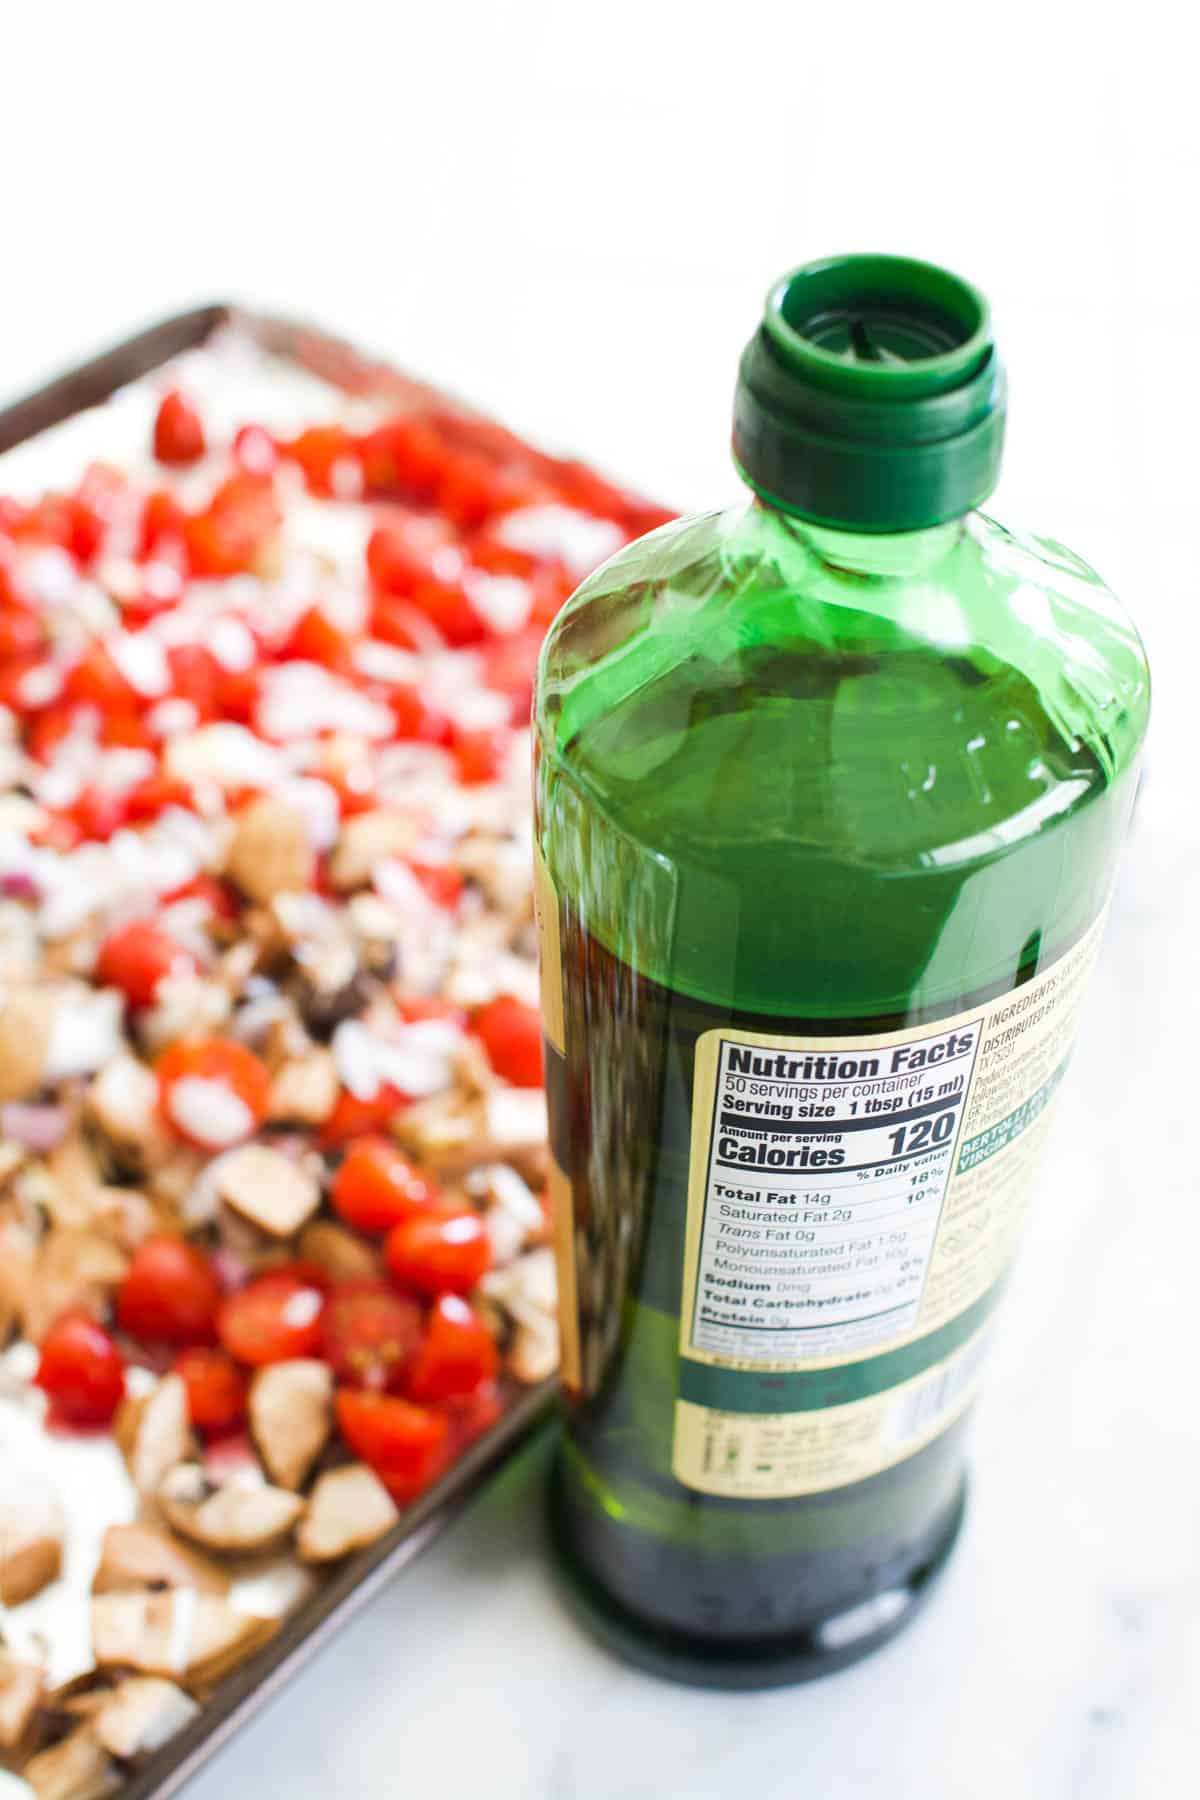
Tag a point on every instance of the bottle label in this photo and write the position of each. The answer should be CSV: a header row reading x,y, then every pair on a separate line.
x,y
853,1206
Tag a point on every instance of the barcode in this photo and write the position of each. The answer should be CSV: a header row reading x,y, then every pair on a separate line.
x,y
915,1411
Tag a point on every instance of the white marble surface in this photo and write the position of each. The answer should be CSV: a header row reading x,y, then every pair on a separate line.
x,y
573,221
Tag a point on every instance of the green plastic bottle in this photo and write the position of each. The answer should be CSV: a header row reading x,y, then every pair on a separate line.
x,y
830,790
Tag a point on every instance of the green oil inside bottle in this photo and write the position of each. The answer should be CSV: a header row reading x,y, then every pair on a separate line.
x,y
790,775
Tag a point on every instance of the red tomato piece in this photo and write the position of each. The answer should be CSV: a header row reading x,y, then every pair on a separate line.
x,y
153,796
436,1253
195,676
472,1417
125,730
416,721
355,789
170,1293
511,1033
430,1006
352,1117
402,457
315,638
448,608
178,429
81,1371
376,1187
22,634
457,1354
276,1318
241,518
214,893
482,754
368,1333
254,450
329,457
98,813
401,549
407,1446
163,522
213,1091
137,957
216,1389
95,680
441,881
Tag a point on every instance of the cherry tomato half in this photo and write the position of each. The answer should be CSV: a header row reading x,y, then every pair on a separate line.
x,y
170,1293
213,1091
406,1445
457,1354
481,754
137,957
216,1389
439,1253
369,1333
80,1368
178,430
351,1117
276,1318
377,1187
511,1033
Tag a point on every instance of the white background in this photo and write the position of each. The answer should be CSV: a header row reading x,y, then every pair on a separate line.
x,y
570,214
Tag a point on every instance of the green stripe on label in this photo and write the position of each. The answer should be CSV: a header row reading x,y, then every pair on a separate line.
x,y
809,1390
1002,1133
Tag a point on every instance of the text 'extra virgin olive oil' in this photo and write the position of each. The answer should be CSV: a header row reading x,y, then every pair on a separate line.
x,y
830,789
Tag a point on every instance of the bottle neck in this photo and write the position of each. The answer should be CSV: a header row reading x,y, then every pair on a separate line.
x,y
881,555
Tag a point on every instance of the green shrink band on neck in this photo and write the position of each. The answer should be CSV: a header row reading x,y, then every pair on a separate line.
x,y
871,397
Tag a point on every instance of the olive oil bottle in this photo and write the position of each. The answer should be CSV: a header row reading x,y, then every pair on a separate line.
x,y
830,789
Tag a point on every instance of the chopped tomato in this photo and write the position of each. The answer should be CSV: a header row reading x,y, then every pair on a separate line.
x,y
81,1371
511,1033
137,957
276,1318
442,881
178,430
163,522
407,1446
229,536
98,813
195,676
430,1006
402,548
315,638
439,1252
456,1357
213,1091
125,730
376,1187
214,893
153,796
170,1293
482,754
448,608
328,456
368,1333
254,450
355,790
22,633
402,457
216,1389
416,720
95,680
352,1116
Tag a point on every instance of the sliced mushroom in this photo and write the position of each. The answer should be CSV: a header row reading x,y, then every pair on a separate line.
x,y
305,1089
154,1433
73,1268
122,1102
233,1518
180,1634
78,1768
266,1187
18,1260
32,1530
22,1685
534,1352
338,1252
348,1508
139,1556
270,853
142,1713
74,1184
27,1016
367,839
291,1417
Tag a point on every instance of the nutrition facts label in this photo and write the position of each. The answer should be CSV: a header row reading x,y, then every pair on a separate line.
x,y
826,1174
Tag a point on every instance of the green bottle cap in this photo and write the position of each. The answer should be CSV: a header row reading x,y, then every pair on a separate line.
x,y
871,396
